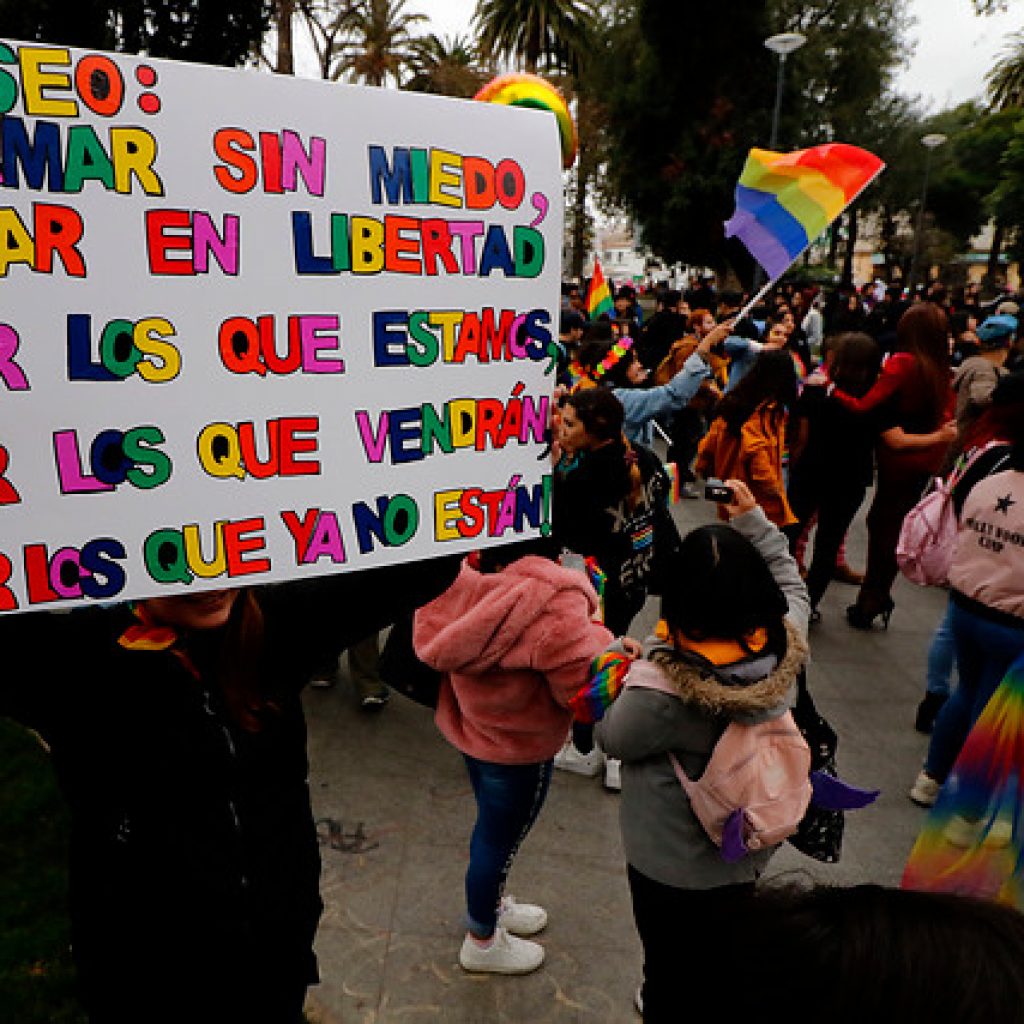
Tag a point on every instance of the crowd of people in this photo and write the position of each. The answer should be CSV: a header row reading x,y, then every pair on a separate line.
x,y
177,732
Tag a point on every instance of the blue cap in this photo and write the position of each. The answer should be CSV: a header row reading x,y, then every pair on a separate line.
x,y
998,328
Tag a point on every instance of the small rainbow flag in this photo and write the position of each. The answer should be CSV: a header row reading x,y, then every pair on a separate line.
x,y
599,298
672,472
608,672
784,201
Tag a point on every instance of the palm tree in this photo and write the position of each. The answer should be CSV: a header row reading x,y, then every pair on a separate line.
x,y
445,67
1006,79
552,31
377,43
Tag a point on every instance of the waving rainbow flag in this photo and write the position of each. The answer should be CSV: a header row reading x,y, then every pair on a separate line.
x,y
784,201
972,841
599,298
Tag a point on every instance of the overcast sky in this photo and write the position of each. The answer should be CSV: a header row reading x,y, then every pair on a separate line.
x,y
954,46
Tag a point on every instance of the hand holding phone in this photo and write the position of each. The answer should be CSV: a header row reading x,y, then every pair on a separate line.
x,y
715,490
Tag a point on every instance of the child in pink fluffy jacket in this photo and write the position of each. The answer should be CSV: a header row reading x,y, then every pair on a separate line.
x,y
514,635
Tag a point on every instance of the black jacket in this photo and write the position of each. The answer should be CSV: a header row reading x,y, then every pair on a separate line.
x,y
194,860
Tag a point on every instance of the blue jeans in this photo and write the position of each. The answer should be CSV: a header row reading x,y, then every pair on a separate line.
x,y
941,654
984,651
508,799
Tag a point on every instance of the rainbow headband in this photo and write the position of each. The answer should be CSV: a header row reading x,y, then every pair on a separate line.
x,y
617,351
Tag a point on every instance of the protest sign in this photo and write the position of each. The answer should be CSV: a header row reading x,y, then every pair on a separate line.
x,y
255,327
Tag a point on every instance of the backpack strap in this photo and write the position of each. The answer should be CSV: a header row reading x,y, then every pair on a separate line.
x,y
647,676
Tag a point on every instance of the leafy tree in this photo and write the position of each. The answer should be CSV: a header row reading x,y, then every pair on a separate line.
x,y
447,67
326,21
682,116
699,93
1005,80
204,31
963,195
1008,196
374,41
549,33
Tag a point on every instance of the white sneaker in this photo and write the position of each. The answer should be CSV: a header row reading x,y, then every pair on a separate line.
x,y
961,833
505,955
613,774
569,759
521,918
925,790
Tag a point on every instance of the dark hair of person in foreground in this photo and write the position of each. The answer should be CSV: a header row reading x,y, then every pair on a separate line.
x,y
871,953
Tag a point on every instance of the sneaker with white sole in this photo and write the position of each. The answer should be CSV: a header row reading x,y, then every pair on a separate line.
x,y
521,918
925,790
569,759
504,954
613,774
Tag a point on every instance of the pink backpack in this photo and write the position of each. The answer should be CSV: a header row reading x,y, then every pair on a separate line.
x,y
756,787
924,551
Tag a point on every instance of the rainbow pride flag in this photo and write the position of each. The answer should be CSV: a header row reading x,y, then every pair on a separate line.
x,y
972,841
599,298
784,201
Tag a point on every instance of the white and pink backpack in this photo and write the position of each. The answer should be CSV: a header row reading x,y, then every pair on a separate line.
x,y
758,784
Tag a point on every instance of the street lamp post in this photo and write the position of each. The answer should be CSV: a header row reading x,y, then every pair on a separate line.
x,y
784,43
931,142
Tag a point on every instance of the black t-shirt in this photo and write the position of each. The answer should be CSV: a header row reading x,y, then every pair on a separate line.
x,y
839,442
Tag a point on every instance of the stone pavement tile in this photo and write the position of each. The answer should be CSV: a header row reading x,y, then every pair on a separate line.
x,y
580,819
576,985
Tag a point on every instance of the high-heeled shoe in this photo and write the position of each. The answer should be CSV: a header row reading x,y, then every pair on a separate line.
x,y
862,617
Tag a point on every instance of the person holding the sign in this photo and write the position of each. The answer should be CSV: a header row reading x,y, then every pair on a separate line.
x,y
179,741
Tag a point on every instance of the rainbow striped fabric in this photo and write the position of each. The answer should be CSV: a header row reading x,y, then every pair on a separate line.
x,y
973,839
599,298
608,672
784,201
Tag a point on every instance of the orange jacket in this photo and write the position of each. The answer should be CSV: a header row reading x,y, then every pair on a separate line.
x,y
755,457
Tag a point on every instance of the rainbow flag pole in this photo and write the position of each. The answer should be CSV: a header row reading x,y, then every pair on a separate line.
x,y
599,297
784,201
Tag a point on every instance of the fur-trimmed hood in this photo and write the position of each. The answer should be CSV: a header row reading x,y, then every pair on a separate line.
x,y
770,695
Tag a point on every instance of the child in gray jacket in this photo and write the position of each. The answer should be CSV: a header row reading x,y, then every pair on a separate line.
x,y
741,607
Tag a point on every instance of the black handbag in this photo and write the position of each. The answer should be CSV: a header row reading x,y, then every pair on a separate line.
x,y
820,833
402,669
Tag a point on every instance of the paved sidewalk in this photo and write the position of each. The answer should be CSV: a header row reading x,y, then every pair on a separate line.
x,y
396,812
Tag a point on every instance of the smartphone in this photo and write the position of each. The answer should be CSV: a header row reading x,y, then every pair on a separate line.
x,y
715,490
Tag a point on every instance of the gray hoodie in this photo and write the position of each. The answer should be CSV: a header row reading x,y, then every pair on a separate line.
x,y
661,836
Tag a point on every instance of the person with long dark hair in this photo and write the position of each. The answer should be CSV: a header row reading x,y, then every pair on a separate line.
x,y
609,502
731,644
747,438
178,739
914,393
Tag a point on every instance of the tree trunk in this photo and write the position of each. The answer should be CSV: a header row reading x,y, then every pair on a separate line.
x,y
851,244
887,235
285,58
995,251
833,244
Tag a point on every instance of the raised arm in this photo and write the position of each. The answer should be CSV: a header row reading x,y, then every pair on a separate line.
x,y
749,519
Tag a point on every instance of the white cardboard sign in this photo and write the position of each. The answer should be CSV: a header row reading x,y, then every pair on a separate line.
x,y
255,327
